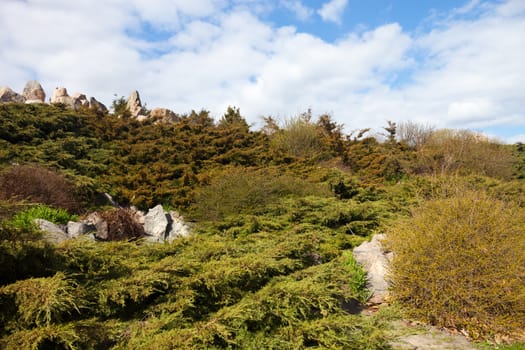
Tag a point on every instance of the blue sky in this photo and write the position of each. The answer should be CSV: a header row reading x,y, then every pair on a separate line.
x,y
450,64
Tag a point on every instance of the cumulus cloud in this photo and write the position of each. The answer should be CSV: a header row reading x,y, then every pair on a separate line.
x,y
301,11
332,11
466,72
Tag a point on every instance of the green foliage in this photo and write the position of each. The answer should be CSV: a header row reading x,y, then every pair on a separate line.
x,y
459,263
39,301
300,138
242,190
25,219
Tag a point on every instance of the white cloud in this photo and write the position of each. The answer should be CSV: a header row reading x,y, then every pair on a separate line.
x,y
301,11
332,11
467,72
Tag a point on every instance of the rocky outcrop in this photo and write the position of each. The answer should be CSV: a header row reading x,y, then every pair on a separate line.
x,y
134,106
97,106
7,95
33,92
75,102
179,228
156,223
76,229
375,262
164,115
101,226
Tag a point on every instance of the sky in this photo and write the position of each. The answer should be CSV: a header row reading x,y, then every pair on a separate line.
x,y
442,63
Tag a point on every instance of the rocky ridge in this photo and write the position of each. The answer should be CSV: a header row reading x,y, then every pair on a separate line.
x,y
34,93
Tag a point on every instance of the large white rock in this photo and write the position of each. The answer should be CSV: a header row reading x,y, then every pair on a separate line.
x,y
375,262
33,92
52,232
156,222
179,228
8,95
75,229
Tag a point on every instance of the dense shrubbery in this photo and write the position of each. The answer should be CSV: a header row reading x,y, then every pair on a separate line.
x,y
459,263
277,213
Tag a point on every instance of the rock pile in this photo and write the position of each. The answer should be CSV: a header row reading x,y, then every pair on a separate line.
x,y
159,226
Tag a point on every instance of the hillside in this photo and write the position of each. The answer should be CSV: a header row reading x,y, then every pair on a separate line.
x,y
275,213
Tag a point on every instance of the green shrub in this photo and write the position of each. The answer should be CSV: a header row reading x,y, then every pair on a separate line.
x,y
39,301
459,263
300,138
241,190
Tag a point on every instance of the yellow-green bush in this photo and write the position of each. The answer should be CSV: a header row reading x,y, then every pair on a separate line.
x,y
459,262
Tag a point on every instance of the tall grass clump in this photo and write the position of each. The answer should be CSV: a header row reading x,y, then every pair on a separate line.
x,y
459,263
25,219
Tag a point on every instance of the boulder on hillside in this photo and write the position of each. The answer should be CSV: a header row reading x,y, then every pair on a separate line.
x,y
74,102
33,92
7,95
156,223
101,226
164,115
97,106
80,100
178,228
134,105
75,229
375,262
52,232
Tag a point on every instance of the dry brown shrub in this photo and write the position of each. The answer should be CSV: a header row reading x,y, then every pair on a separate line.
x,y
459,263
39,185
122,224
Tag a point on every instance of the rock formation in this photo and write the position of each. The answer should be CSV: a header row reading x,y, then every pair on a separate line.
x,y
134,106
159,226
97,106
33,92
8,95
164,115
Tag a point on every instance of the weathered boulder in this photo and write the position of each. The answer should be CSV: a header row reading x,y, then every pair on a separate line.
x,y
164,115
8,95
52,232
100,224
375,262
97,106
134,105
178,228
60,95
156,223
33,92
79,100
75,229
